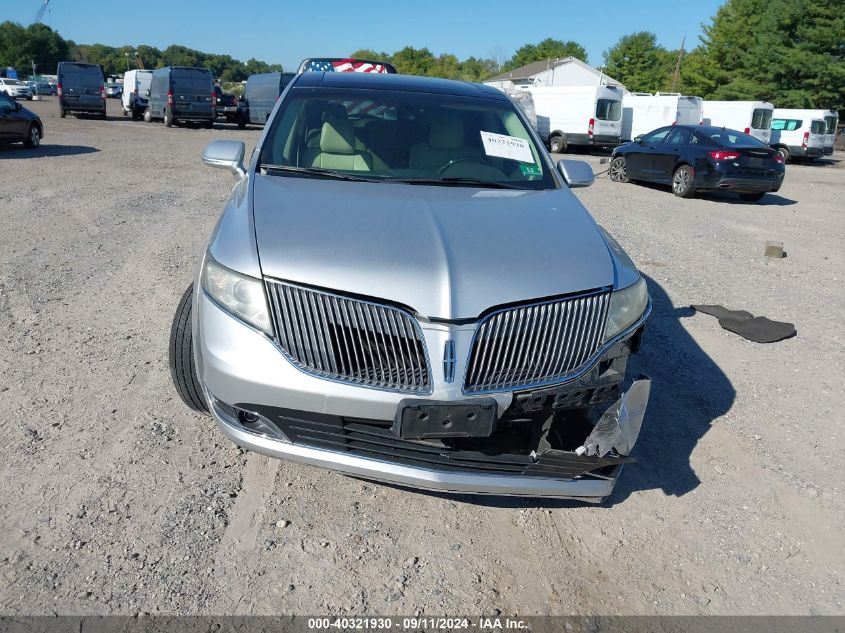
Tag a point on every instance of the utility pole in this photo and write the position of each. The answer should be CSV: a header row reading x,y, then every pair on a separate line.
x,y
678,65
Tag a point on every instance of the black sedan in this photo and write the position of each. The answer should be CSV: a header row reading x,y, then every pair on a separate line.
x,y
19,125
695,158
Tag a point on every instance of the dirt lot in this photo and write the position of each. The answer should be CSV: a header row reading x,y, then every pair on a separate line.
x,y
115,498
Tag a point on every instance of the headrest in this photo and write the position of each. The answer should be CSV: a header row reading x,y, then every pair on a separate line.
x,y
446,133
337,137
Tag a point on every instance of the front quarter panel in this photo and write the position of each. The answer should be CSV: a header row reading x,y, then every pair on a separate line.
x,y
233,242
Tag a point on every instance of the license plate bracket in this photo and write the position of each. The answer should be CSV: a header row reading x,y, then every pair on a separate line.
x,y
418,419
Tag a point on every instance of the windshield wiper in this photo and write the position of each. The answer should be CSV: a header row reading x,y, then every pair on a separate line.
x,y
458,180
316,172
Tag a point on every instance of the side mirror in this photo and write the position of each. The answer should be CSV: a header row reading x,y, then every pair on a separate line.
x,y
576,173
638,139
147,92
228,154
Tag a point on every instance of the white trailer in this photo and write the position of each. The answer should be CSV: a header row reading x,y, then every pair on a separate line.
x,y
751,117
578,115
799,133
643,112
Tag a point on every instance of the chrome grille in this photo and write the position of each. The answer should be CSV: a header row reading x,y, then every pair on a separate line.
x,y
348,339
536,344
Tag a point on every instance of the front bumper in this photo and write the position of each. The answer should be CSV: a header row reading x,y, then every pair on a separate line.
x,y
346,428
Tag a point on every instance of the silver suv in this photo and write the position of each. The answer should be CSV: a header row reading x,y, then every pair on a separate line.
x,y
403,287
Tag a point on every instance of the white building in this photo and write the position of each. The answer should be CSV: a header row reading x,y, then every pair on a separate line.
x,y
568,71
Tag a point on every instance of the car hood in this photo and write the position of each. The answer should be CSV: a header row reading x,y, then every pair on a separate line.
x,y
444,252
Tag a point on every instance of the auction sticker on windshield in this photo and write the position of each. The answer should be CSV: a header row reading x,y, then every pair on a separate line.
x,y
505,146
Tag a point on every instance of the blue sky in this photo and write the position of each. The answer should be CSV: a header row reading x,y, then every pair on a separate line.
x,y
285,32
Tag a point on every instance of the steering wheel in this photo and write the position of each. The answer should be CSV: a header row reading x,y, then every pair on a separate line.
x,y
456,161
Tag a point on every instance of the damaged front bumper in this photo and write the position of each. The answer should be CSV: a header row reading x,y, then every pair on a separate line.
x,y
553,468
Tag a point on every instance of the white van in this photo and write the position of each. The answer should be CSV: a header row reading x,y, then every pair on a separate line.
x,y
578,115
136,83
798,133
643,112
831,117
752,117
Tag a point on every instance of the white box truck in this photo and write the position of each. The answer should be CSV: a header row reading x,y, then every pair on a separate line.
x,y
643,112
798,133
751,117
578,115
136,83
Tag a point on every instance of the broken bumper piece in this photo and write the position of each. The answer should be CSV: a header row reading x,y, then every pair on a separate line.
x,y
370,449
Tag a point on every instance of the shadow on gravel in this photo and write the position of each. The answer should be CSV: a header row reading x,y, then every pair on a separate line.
x,y
769,200
19,151
688,392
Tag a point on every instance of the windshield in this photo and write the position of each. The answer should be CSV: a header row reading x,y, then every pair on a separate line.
x,y
191,82
405,137
608,110
761,119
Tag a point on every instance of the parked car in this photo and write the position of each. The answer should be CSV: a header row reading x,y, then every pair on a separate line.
x,y
798,133
261,92
752,117
42,88
133,100
19,125
227,105
643,112
114,91
352,309
344,65
588,116
15,88
81,89
693,158
181,93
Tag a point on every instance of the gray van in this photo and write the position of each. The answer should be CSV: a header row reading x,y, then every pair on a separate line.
x,y
81,89
260,95
181,93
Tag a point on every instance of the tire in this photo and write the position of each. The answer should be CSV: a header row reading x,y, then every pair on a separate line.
x,y
148,116
168,118
125,111
683,182
62,113
751,197
181,354
784,152
33,137
618,170
557,144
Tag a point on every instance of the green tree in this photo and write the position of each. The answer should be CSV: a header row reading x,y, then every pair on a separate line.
x,y
549,48
20,46
639,62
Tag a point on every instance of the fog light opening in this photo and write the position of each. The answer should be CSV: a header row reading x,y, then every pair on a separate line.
x,y
247,417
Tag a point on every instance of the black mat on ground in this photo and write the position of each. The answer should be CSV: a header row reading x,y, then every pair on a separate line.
x,y
757,329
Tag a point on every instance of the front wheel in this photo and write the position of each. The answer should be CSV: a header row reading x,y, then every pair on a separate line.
x,y
683,182
148,116
557,144
62,113
784,153
33,137
168,118
181,353
751,197
619,170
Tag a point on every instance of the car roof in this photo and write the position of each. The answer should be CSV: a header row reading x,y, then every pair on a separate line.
x,y
389,81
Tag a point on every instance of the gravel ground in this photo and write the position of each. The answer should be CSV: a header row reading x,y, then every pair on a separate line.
x,y
116,499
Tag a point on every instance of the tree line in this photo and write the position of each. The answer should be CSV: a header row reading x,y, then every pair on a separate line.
x,y
20,46
789,52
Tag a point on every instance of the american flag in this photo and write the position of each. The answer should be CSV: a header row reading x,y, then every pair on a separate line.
x,y
343,66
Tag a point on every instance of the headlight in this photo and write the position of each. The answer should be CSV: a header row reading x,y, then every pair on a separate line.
x,y
241,295
626,306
